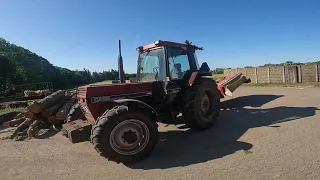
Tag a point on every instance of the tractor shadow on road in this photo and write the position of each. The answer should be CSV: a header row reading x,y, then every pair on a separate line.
x,y
182,148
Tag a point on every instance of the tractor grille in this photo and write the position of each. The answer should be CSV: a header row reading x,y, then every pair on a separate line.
x,y
81,91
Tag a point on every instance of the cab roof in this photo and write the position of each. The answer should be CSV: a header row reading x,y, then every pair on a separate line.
x,y
160,43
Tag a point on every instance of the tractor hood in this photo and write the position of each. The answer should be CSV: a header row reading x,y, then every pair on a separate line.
x,y
102,93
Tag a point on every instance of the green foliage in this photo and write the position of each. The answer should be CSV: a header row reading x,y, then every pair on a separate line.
x,y
217,76
8,110
218,71
21,66
287,63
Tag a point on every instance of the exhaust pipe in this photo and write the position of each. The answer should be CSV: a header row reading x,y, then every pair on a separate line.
x,y
120,65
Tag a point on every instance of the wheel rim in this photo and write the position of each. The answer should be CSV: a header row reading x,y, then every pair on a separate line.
x,y
129,137
207,105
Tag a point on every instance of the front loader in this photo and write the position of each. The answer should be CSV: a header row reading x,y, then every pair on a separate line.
x,y
169,82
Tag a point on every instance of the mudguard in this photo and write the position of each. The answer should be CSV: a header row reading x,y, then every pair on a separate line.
x,y
138,105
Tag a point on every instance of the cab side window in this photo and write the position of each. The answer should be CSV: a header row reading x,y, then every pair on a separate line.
x,y
178,63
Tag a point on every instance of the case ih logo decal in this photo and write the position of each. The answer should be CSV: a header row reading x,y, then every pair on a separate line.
x,y
100,99
122,96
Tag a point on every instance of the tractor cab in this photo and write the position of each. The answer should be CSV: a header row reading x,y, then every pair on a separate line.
x,y
170,67
166,61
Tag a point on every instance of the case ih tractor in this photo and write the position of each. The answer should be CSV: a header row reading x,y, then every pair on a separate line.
x,y
169,82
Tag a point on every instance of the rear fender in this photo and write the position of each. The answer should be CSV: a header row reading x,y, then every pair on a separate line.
x,y
197,77
138,105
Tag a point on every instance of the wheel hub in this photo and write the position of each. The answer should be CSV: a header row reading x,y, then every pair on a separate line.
x,y
205,104
130,137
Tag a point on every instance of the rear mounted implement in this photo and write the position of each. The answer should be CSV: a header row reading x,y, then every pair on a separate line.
x,y
228,84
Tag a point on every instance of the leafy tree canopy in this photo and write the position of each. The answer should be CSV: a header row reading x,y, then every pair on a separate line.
x,y
21,66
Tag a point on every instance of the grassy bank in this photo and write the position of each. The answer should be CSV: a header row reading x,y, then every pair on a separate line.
x,y
217,76
7,110
102,83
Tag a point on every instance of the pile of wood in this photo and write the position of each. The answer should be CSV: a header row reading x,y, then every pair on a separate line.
x,y
53,111
30,93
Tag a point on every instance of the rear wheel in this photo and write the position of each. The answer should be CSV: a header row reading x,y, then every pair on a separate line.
x,y
201,105
123,135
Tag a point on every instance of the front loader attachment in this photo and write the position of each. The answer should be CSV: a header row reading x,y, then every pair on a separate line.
x,y
228,84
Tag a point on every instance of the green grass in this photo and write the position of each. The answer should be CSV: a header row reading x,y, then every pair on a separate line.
x,y
217,76
102,83
7,110
12,98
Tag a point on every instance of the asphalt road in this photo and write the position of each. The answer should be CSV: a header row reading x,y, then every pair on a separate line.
x,y
263,133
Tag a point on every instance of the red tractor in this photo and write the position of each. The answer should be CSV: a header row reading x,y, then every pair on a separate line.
x,y
169,82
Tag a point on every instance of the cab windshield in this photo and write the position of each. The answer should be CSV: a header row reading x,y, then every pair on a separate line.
x,y
151,65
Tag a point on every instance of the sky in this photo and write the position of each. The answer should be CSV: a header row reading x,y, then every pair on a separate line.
x,y
79,34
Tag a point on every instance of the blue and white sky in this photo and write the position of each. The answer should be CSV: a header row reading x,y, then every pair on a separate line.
x,y
79,34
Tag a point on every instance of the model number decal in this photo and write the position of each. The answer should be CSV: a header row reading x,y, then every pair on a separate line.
x,y
100,99
108,98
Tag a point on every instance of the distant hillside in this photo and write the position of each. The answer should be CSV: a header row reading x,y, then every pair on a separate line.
x,y
21,66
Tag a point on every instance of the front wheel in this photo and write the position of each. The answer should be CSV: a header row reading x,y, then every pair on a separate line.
x,y
123,135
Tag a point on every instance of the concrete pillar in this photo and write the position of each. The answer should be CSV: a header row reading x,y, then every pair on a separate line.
x,y
299,74
283,74
268,74
256,74
317,72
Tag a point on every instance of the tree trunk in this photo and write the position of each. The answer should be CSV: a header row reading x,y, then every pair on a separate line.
x,y
7,117
51,111
13,122
30,115
18,116
46,113
52,119
21,127
46,102
34,128
64,110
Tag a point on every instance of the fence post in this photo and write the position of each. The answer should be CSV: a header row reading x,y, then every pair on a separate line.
x,y
317,72
245,71
299,73
256,74
268,74
284,77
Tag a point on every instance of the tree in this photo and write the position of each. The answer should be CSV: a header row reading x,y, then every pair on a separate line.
x,y
218,71
6,69
97,77
21,66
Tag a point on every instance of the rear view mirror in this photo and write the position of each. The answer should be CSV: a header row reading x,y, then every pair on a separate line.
x,y
204,67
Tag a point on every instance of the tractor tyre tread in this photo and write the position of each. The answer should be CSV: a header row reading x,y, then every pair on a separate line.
x,y
104,125
190,113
